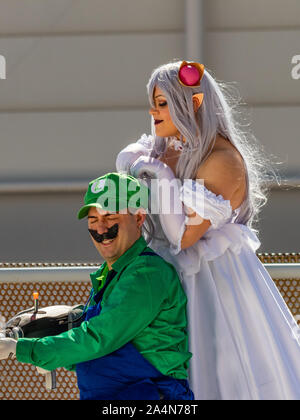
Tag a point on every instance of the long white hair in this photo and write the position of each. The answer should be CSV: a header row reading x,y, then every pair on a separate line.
x,y
217,115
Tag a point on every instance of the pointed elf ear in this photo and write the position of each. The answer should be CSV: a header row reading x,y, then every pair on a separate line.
x,y
197,101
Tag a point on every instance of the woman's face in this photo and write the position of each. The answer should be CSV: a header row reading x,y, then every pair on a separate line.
x,y
164,126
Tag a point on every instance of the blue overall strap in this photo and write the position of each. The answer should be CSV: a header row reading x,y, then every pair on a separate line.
x,y
152,253
95,309
91,311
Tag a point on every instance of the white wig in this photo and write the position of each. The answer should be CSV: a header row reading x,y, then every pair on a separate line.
x,y
215,116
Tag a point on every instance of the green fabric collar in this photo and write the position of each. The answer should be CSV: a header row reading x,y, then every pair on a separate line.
x,y
131,253
125,259
95,276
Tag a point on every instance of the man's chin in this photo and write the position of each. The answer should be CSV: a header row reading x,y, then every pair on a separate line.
x,y
107,248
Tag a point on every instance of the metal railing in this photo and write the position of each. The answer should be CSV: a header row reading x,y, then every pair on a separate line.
x,y
13,273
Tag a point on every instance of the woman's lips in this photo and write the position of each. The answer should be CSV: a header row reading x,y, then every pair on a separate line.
x,y
157,122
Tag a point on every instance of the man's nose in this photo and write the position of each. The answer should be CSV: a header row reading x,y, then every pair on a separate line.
x,y
101,227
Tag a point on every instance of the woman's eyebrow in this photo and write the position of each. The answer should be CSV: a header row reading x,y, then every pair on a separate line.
x,y
158,96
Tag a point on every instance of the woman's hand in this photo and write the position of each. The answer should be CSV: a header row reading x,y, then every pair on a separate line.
x,y
152,167
128,155
164,197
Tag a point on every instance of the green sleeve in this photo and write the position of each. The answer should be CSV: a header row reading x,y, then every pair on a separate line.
x,y
134,302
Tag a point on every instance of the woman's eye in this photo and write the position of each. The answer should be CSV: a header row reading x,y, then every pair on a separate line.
x,y
162,104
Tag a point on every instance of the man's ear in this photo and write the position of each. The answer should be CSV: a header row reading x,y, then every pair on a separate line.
x,y
197,101
140,216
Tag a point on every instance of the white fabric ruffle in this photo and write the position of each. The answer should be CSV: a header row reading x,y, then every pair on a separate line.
x,y
211,246
205,203
221,236
146,141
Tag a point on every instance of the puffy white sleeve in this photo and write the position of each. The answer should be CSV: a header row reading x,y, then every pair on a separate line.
x,y
133,151
146,141
205,203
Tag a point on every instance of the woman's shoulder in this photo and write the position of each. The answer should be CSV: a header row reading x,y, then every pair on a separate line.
x,y
224,153
223,171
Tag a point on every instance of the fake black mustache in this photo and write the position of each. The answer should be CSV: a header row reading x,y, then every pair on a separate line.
x,y
111,233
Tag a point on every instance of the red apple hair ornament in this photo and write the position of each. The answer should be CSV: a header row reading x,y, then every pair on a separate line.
x,y
190,75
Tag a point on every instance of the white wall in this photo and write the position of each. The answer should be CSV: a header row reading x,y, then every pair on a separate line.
x,y
52,17
75,91
251,15
251,43
75,94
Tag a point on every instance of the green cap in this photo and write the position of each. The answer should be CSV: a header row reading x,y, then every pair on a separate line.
x,y
115,192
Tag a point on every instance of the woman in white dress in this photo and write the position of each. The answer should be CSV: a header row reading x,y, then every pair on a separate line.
x,y
244,340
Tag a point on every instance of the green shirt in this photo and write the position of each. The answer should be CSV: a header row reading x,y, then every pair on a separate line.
x,y
143,304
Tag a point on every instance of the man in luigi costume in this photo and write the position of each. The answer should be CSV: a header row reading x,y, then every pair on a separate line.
x,y
133,341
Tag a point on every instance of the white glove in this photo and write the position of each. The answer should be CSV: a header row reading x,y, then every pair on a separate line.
x,y
132,152
164,196
42,371
7,347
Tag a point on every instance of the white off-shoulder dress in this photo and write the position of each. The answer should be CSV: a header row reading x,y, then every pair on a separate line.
x,y
244,340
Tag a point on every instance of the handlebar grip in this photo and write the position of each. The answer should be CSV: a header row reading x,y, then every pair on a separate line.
x,y
50,380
